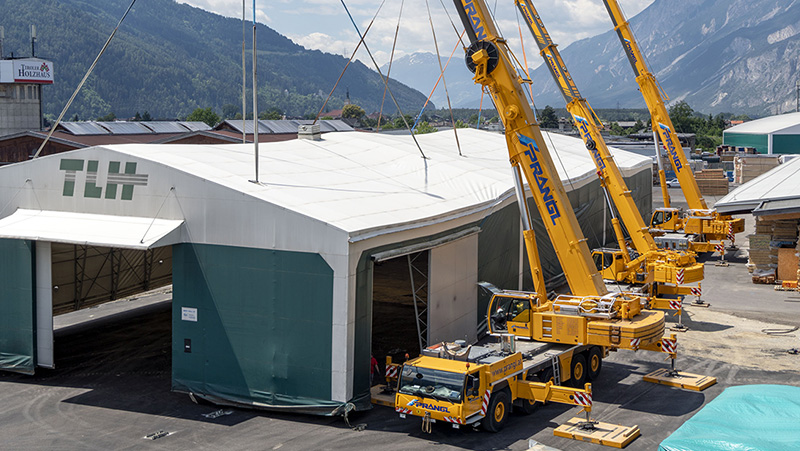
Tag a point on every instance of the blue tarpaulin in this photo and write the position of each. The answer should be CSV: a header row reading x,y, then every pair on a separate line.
x,y
748,417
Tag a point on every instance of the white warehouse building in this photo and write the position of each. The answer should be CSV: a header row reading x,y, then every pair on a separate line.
x,y
278,285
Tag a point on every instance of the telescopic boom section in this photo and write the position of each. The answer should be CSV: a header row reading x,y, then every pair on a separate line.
x,y
488,58
584,119
659,116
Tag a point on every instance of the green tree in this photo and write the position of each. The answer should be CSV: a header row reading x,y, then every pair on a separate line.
x,y
229,111
424,127
616,129
682,116
146,116
353,112
206,115
137,117
272,114
461,124
107,118
548,118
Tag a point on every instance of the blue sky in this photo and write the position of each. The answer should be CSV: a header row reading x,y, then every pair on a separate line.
x,y
324,25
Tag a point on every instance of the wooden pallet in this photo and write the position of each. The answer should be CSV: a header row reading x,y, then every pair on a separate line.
x,y
603,433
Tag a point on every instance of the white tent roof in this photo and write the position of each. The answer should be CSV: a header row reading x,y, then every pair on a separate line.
x,y
782,182
360,182
89,229
784,124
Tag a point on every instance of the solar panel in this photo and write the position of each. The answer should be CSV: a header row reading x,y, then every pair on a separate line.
x,y
165,126
126,128
195,126
83,128
281,126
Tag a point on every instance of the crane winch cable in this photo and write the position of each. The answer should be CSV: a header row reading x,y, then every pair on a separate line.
x,y
524,54
80,85
444,79
391,60
384,79
427,100
353,55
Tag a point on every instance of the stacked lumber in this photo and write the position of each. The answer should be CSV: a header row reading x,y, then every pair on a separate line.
x,y
761,257
712,182
746,168
774,250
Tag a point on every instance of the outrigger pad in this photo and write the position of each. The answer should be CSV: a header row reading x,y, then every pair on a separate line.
x,y
683,380
602,433
381,397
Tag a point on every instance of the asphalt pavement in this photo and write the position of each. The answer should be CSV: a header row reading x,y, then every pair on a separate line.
x,y
111,389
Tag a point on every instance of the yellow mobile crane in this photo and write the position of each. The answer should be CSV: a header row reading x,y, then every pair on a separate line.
x,y
652,267
703,224
465,385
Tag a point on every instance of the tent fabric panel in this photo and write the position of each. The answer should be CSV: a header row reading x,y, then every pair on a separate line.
x,y
17,308
262,319
786,144
746,417
759,141
90,229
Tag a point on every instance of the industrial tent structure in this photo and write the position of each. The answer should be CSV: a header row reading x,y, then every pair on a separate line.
x,y
769,135
273,278
773,193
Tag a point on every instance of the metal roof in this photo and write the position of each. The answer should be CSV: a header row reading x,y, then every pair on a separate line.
x,y
287,126
125,128
784,124
782,182
165,127
84,128
195,126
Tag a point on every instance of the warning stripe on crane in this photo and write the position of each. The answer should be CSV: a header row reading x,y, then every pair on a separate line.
x,y
679,276
697,291
582,399
669,345
392,370
402,410
731,237
454,420
675,304
485,403
719,248
635,342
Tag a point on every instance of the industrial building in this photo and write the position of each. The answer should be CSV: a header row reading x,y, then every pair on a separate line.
x,y
21,83
279,278
769,135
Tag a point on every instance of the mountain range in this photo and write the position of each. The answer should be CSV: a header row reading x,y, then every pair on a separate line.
x,y
169,58
740,56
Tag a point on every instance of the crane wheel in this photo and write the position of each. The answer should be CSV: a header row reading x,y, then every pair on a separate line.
x,y
497,414
525,406
578,370
594,362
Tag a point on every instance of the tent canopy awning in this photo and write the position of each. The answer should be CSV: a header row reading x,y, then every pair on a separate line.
x,y
91,229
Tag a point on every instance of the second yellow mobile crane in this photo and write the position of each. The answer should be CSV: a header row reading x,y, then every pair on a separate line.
x,y
450,382
653,267
702,223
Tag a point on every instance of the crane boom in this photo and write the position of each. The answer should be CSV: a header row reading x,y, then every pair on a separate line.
x,y
488,57
584,119
662,124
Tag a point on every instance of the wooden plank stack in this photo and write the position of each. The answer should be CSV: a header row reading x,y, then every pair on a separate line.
x,y
773,250
712,182
748,167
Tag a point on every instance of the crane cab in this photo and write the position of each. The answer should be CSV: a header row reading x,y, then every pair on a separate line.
x,y
610,264
511,314
667,219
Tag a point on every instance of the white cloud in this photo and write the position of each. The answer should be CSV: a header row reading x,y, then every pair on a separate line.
x,y
324,25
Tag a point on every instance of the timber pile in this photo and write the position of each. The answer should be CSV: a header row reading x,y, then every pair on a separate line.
x,y
762,260
746,168
774,250
712,182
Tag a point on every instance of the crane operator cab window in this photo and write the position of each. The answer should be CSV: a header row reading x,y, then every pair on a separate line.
x,y
661,217
509,309
602,260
